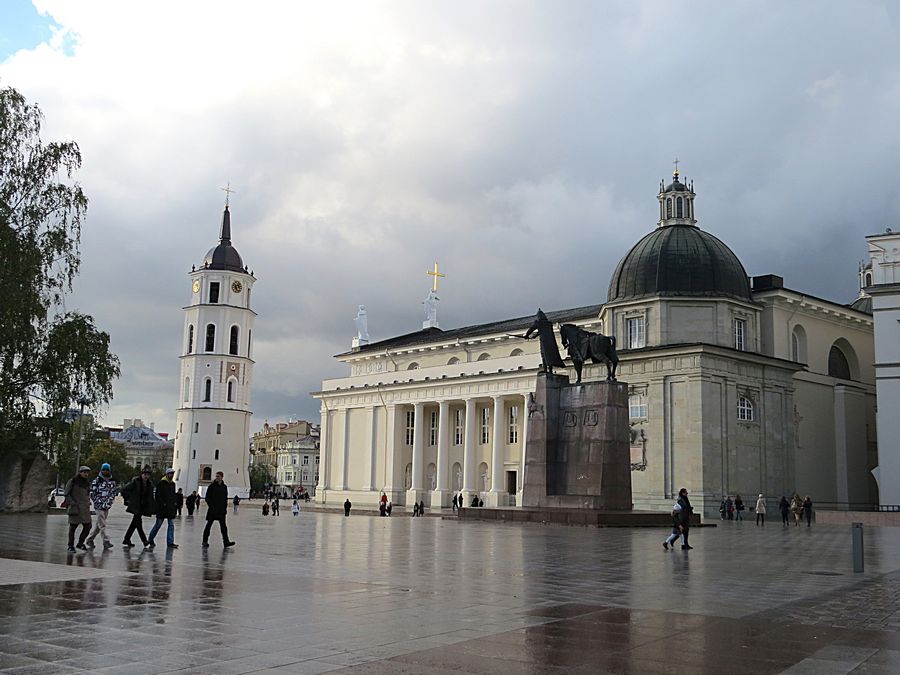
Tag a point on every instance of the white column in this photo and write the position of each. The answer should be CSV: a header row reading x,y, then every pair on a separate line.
x,y
345,451
369,483
418,453
443,469
523,437
390,453
324,453
469,452
497,448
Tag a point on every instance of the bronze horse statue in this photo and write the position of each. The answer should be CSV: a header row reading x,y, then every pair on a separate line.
x,y
583,345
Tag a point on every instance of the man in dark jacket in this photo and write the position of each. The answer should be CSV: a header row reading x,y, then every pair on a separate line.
x,y
179,501
686,511
79,507
192,500
139,502
217,508
166,509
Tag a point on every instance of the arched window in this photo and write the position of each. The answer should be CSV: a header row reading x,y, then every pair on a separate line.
x,y
669,207
688,208
206,474
187,389
190,349
233,342
249,336
231,391
217,453
745,409
516,352
210,337
679,207
798,344
868,278
484,357
838,365
413,366
207,390
453,361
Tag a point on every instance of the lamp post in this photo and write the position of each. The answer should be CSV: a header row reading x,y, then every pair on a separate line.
x,y
80,434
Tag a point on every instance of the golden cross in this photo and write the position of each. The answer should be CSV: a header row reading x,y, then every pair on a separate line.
x,y
676,167
435,274
228,191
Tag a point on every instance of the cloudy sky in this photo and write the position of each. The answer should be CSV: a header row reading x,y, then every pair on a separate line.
x,y
520,144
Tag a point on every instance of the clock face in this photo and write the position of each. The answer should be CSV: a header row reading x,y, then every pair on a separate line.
x,y
196,286
236,286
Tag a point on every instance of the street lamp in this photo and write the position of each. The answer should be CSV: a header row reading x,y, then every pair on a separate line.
x,y
80,434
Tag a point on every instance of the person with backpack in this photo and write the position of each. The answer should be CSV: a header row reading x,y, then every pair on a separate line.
x,y
166,509
139,502
78,505
103,494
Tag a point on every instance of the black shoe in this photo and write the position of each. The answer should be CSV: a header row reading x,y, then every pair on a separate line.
x,y
172,546
149,544
70,549
666,545
205,544
82,547
686,547
229,544
127,544
89,544
107,544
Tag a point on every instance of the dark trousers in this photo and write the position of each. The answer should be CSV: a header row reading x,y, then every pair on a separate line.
x,y
808,518
222,526
761,518
785,518
135,526
85,528
685,531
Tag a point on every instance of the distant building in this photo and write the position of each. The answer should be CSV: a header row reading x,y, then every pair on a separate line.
x,y
143,445
290,453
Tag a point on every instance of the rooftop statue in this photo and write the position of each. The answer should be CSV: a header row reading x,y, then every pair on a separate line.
x,y
583,345
362,324
550,357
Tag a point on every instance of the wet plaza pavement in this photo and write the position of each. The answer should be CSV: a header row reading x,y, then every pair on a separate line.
x,y
323,593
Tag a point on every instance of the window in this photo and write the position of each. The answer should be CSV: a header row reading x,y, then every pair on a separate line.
x,y
187,389
688,205
679,207
634,333
795,347
413,366
207,473
484,357
453,361
410,426
317,464
233,341
218,428
516,352
194,454
305,460
207,390
740,334
249,335
637,406
433,430
669,207
513,424
288,477
868,278
485,425
458,419
214,292
231,391
190,349
217,453
838,365
196,427
210,337
745,409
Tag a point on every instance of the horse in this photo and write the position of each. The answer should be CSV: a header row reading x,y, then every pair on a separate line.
x,y
583,345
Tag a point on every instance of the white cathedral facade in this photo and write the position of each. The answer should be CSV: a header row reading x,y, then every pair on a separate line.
x,y
736,386
212,424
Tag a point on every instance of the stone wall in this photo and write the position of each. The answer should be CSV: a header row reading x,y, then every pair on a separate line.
x,y
25,484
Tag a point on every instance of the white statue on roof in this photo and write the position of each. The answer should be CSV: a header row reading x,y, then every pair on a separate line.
x,y
362,324
430,304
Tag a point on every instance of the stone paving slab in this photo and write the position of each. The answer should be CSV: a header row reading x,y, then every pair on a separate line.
x,y
30,572
324,593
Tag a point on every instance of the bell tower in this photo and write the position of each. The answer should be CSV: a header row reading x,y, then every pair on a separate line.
x,y
676,201
212,422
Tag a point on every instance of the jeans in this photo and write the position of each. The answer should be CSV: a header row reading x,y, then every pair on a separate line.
x,y
170,531
100,527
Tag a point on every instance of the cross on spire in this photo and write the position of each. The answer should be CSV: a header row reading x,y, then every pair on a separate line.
x,y
676,167
228,192
435,274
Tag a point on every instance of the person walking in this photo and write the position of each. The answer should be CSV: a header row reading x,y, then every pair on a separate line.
x,y
676,527
454,502
217,509
722,508
421,507
797,509
103,494
807,510
179,501
276,506
191,503
265,508
729,508
166,509
389,508
347,506
237,502
295,508
382,509
78,503
139,502
785,507
738,508
415,509
686,511
761,510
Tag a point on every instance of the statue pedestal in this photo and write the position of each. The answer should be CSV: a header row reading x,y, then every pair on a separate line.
x,y
578,453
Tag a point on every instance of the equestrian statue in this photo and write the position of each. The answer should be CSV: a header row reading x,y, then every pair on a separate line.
x,y
583,345
550,357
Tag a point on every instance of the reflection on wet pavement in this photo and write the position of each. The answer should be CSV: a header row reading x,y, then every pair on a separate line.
x,y
324,593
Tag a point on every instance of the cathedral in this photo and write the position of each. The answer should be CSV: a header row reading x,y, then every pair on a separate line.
x,y
737,385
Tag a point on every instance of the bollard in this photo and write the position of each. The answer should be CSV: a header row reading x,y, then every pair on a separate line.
x,y
858,561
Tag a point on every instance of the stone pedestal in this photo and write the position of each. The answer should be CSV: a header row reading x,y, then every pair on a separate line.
x,y
578,454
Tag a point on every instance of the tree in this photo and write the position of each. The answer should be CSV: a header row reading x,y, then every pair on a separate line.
x,y
113,453
46,354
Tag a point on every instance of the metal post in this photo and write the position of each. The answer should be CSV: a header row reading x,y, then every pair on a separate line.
x,y
858,562
80,434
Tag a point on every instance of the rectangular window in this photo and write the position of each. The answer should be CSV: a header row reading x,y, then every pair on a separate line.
x,y
317,464
637,407
433,430
218,428
513,424
180,425
740,334
196,427
458,420
305,476
485,425
305,460
214,292
635,336
410,426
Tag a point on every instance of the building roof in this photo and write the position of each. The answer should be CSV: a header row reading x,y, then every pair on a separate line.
x,y
224,256
517,325
862,304
679,260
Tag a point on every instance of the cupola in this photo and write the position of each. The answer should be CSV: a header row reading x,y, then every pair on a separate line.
x,y
676,202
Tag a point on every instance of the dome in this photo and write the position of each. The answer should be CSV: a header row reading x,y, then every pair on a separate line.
x,y
224,256
679,260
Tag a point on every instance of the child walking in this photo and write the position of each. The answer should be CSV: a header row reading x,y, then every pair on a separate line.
x,y
295,508
676,527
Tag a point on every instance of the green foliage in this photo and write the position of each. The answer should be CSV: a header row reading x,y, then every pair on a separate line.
x,y
260,474
108,450
58,358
